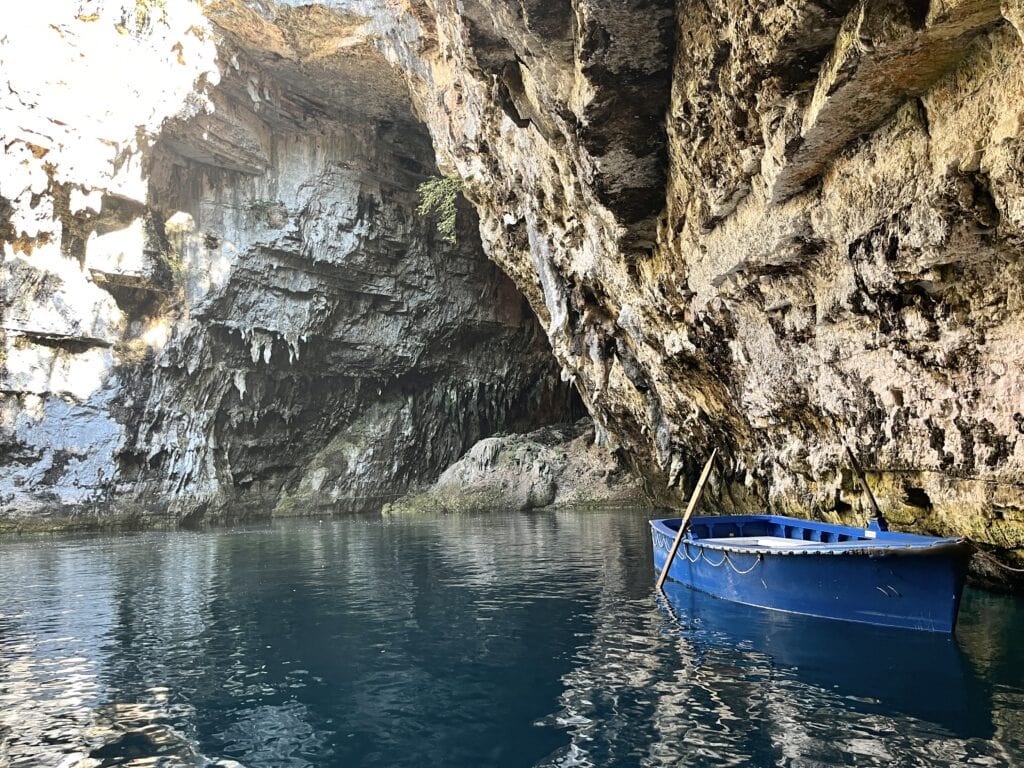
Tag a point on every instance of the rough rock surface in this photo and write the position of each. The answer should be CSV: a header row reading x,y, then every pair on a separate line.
x,y
771,227
555,466
218,297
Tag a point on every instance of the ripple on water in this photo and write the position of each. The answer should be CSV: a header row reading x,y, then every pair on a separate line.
x,y
516,640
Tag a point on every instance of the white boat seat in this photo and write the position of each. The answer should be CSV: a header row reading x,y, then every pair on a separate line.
x,y
772,542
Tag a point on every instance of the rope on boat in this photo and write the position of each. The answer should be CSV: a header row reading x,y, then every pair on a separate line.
x,y
702,555
707,560
744,573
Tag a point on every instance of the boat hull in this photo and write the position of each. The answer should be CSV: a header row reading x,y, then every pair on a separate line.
x,y
884,579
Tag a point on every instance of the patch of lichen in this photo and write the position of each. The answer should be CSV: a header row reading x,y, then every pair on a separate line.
x,y
178,268
147,12
266,212
132,352
288,504
444,500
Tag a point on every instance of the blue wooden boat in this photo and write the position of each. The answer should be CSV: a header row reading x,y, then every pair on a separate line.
x,y
866,575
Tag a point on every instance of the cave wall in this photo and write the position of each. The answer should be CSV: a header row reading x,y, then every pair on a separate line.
x,y
772,227
219,300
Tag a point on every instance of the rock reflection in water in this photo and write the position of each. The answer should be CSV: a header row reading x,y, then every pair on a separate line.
x,y
505,641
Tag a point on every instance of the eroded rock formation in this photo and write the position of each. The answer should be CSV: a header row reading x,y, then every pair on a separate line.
x,y
557,466
219,299
771,226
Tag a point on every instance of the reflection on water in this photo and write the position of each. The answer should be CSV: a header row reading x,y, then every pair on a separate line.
x,y
519,640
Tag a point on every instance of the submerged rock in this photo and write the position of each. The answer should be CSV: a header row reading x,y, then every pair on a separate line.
x,y
555,466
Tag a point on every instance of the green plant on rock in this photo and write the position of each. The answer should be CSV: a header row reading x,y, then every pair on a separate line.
x,y
175,261
437,200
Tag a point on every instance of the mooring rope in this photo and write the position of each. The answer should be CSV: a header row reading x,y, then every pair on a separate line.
x,y
991,559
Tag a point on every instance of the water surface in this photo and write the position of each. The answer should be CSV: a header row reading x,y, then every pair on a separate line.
x,y
465,641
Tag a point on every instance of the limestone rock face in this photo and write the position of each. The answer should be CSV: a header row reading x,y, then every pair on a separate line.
x,y
773,227
218,298
555,466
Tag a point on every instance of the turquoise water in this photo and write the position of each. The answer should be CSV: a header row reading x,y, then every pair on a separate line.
x,y
465,641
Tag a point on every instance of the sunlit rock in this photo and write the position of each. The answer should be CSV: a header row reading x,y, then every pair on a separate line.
x,y
215,274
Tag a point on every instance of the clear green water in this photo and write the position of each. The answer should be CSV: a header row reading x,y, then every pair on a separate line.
x,y
465,641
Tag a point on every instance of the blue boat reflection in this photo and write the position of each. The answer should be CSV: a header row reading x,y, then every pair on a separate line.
x,y
874,669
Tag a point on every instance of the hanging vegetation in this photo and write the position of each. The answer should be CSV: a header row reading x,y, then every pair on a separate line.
x,y
437,200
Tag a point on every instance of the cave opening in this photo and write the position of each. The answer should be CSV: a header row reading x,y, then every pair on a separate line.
x,y
331,349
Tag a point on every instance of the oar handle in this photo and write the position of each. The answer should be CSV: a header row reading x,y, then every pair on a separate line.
x,y
684,521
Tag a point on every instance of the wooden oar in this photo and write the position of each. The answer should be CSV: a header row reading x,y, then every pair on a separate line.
x,y
882,522
694,498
